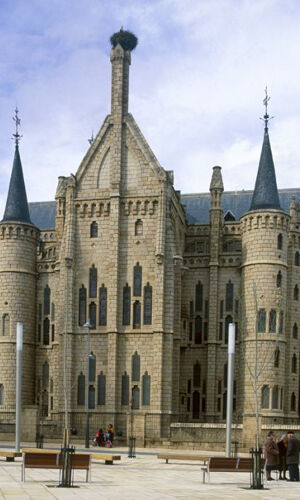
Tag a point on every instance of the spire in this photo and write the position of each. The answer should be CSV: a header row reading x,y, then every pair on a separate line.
x,y
16,205
265,192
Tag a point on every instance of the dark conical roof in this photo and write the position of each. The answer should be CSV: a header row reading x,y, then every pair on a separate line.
x,y
16,205
265,192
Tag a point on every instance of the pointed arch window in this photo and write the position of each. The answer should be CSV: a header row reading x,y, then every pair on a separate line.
x,y
279,279
146,383
81,389
92,367
136,398
135,367
46,331
93,281
295,331
102,306
196,404
147,304
272,321
45,375
5,324
126,305
279,242
137,280
228,320
293,402
82,306
294,363
296,293
275,397
265,397
197,374
93,314
229,296
199,296
47,296
94,230
280,329
198,330
261,321
101,389
138,228
137,314
1,394
276,357
92,397
297,259
125,390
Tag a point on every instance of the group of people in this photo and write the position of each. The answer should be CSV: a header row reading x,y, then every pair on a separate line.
x,y
282,455
104,438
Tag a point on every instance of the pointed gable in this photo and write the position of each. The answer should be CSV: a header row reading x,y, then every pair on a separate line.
x,y
16,205
265,194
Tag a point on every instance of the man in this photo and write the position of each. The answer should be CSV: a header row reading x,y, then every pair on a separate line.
x,y
292,456
271,454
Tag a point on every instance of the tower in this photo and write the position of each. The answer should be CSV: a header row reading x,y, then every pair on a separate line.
x,y
18,242
264,232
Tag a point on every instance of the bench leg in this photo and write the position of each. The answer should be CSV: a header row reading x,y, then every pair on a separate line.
x,y
167,460
10,459
203,480
109,462
23,473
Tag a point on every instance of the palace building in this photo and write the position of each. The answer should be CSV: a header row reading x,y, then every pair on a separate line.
x,y
158,276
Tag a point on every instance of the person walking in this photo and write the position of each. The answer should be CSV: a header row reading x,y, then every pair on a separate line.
x,y
292,456
271,454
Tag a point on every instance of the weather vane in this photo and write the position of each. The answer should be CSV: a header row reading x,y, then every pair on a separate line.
x,y
91,140
17,121
266,117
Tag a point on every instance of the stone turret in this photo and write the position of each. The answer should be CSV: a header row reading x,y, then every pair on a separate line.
x,y
264,232
18,243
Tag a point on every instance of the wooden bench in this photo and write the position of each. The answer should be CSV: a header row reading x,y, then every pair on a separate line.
x,y
10,455
181,456
228,464
108,458
51,459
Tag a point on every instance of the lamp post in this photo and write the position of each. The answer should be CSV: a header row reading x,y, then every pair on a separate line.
x,y
87,386
230,379
19,345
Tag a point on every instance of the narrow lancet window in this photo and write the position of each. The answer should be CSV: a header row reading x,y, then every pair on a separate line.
x,y
103,306
94,230
82,306
93,282
126,305
47,295
137,280
199,296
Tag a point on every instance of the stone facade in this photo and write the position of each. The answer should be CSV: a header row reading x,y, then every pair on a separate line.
x,y
159,294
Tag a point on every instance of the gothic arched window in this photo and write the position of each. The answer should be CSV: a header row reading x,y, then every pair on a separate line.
x,y
136,314
197,375
137,280
93,314
279,242
272,321
261,320
296,293
280,329
135,398
276,357
81,389
198,330
147,304
135,367
196,404
265,396
1,394
47,295
297,259
146,382
295,331
46,331
293,402
275,397
102,305
125,390
229,296
94,230
45,375
101,389
93,282
82,306
199,296
294,363
5,324
126,305
279,279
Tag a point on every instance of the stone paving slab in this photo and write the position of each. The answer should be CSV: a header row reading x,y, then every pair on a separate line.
x,y
142,478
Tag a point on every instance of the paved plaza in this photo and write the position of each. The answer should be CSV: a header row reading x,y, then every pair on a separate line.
x,y
143,477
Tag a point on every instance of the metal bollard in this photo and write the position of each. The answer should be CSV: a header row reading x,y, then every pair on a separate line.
x,y
66,474
131,447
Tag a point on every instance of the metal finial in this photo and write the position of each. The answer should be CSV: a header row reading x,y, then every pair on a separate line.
x,y
17,121
91,140
266,117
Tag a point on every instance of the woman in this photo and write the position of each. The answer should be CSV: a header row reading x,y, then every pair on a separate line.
x,y
271,453
282,446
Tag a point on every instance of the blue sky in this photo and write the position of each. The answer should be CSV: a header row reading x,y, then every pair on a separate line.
x,y
197,82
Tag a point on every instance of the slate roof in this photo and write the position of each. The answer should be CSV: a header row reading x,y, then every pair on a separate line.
x,y
197,206
16,208
265,191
